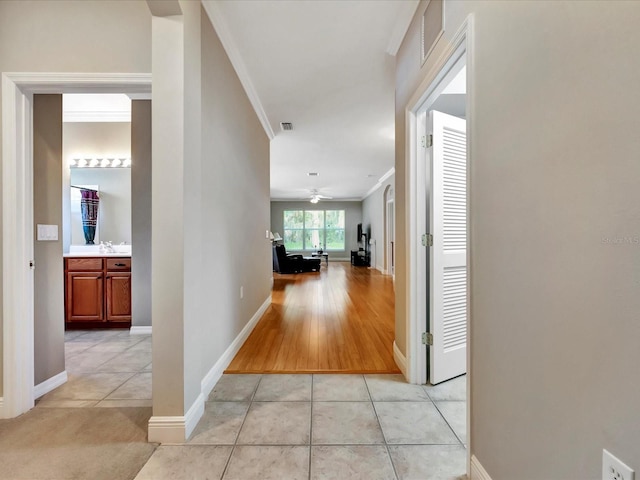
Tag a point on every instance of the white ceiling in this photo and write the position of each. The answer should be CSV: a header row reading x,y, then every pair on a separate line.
x,y
324,66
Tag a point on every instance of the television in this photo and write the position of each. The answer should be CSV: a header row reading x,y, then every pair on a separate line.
x,y
359,237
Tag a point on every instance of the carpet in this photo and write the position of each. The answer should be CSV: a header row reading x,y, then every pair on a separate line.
x,y
75,444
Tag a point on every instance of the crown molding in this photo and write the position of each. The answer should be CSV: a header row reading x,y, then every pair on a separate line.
x,y
220,25
380,182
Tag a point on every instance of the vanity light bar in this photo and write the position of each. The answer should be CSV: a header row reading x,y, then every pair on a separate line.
x,y
121,162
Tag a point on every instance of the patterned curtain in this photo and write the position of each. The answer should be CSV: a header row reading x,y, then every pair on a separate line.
x,y
89,208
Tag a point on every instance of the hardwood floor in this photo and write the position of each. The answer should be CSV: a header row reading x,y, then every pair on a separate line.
x,y
340,320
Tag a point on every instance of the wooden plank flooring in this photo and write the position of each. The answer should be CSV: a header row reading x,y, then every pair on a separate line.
x,y
340,320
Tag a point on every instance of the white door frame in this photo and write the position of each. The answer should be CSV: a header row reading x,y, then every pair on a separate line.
x,y
391,237
416,197
17,214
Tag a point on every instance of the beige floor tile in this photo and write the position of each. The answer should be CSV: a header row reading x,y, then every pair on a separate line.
x,y
179,462
429,462
85,362
413,423
335,388
284,388
137,387
234,388
126,362
451,390
52,403
455,413
341,423
268,463
132,402
220,423
94,386
277,423
391,388
351,462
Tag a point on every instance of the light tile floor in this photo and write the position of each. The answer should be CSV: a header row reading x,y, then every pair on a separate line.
x,y
317,427
280,426
106,368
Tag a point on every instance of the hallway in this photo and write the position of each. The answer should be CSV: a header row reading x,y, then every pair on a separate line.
x,y
340,320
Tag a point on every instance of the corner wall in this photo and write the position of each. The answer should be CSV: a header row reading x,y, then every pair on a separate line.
x,y
555,259
141,213
374,211
48,314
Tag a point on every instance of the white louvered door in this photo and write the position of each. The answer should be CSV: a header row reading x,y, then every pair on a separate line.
x,y
448,255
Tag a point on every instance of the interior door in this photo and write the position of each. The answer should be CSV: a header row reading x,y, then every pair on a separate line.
x,y
391,236
448,253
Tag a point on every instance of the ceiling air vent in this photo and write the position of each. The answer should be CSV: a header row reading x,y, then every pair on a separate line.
x,y
286,126
313,174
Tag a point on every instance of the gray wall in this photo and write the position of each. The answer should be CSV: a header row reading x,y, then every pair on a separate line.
x,y
48,312
235,204
353,216
374,210
554,284
99,139
42,36
141,212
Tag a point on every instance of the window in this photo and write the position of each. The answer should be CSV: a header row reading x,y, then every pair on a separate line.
x,y
314,229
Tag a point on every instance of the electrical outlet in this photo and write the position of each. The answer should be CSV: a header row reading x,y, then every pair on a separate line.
x,y
614,469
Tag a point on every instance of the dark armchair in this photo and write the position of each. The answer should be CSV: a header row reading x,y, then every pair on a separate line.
x,y
287,263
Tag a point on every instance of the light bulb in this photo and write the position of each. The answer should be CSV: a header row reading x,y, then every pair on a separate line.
x,y
127,162
82,163
94,162
105,162
116,162
74,162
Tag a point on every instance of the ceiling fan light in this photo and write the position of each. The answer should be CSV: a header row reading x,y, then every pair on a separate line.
x,y
314,200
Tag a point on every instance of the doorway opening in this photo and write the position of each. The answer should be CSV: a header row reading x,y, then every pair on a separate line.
x,y
18,92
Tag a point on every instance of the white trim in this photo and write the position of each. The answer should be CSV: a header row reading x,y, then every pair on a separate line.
x,y
379,183
400,359
140,330
461,45
477,470
176,429
193,415
17,213
167,429
404,18
50,384
220,25
211,378
123,116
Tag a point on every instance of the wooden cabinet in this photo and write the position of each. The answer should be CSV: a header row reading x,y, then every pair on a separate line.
x,y
97,292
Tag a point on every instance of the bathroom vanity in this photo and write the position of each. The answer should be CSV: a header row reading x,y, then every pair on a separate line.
x,y
97,290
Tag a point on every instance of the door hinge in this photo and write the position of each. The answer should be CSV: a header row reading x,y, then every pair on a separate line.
x,y
32,265
427,240
427,338
426,141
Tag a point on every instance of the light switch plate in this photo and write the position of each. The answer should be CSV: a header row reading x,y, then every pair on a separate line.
x,y
47,233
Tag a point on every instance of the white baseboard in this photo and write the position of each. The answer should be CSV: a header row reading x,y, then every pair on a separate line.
x,y
400,359
49,384
211,378
140,330
477,470
177,429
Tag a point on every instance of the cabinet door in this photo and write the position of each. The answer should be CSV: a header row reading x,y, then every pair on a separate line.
x,y
119,296
84,297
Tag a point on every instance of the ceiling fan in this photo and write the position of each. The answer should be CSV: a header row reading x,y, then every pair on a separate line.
x,y
316,197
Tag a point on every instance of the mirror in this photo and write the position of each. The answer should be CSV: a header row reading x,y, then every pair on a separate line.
x,y
114,206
